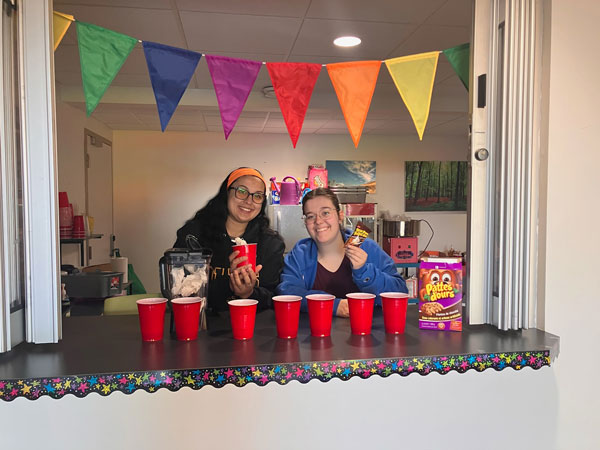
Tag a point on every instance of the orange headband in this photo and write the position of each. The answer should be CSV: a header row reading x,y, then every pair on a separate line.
x,y
238,173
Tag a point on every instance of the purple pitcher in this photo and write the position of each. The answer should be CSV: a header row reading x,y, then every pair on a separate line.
x,y
290,192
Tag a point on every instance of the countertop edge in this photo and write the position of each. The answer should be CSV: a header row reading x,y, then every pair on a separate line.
x,y
151,381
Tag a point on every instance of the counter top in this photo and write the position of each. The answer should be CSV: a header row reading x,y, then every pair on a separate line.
x,y
106,354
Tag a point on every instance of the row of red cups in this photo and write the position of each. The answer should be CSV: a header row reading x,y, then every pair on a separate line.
x,y
186,315
320,312
287,315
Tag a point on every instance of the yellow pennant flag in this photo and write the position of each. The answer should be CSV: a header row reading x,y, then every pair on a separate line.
x,y
354,83
60,25
413,76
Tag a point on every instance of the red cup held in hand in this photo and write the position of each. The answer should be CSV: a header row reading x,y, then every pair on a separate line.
x,y
243,316
152,317
248,250
287,315
186,312
360,305
320,310
394,311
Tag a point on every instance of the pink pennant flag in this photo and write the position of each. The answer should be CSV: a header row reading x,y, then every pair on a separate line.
x,y
293,84
233,79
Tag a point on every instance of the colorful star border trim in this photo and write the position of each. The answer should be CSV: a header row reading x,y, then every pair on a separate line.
x,y
173,380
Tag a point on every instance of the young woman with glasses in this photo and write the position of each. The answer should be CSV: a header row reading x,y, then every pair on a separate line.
x,y
237,211
322,264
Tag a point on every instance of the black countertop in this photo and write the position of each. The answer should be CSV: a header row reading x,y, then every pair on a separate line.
x,y
110,347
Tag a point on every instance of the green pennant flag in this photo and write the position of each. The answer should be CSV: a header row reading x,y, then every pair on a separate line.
x,y
102,52
459,60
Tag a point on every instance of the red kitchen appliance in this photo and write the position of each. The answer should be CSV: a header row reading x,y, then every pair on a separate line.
x,y
402,249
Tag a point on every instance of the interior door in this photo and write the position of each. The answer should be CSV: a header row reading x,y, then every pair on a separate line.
x,y
98,197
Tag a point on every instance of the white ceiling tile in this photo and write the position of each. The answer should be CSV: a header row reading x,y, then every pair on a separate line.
x,y
375,10
455,12
146,24
378,39
428,38
212,33
148,4
190,127
285,8
275,130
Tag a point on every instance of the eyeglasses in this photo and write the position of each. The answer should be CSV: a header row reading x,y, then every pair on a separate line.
x,y
242,193
324,214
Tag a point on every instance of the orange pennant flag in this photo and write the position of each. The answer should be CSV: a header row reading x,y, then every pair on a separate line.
x,y
413,76
354,83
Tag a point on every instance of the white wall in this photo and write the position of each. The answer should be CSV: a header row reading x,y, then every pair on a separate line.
x,y
472,411
70,123
572,296
161,179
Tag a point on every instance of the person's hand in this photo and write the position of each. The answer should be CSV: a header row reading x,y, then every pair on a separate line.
x,y
342,309
356,255
242,279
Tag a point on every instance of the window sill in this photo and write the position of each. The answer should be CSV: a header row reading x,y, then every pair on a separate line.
x,y
105,354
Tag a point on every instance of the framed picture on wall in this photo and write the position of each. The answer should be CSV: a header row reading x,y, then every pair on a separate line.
x,y
351,173
435,186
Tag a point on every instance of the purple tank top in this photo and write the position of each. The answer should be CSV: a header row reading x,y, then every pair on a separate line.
x,y
338,283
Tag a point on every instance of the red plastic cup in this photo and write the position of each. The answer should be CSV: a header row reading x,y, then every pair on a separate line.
x,y
243,316
248,250
394,311
287,315
320,310
78,227
186,312
152,317
63,200
360,305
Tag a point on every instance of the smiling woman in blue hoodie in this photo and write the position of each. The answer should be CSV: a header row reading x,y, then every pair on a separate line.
x,y
322,264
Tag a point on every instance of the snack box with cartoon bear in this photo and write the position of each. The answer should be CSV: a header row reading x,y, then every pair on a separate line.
x,y
440,294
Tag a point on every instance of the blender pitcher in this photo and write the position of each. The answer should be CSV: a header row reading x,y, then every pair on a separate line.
x,y
184,273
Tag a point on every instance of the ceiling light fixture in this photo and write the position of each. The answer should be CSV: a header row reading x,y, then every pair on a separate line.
x,y
269,92
347,41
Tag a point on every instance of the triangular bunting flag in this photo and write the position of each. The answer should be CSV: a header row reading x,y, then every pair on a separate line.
x,y
293,84
102,52
170,71
60,24
354,83
413,76
233,79
459,60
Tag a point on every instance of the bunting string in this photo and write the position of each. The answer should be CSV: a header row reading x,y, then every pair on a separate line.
x,y
102,53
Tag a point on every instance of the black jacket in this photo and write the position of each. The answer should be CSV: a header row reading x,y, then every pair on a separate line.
x,y
269,253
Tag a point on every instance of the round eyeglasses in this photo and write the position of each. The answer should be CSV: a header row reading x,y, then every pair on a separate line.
x,y
324,214
242,193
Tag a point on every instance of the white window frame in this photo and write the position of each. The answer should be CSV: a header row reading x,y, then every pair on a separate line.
x,y
42,303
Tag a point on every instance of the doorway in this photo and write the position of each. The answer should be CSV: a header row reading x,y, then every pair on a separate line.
x,y
98,198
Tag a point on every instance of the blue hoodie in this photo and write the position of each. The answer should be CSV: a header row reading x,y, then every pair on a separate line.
x,y
378,274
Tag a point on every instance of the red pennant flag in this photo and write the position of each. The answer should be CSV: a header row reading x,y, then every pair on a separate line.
x,y
354,83
293,84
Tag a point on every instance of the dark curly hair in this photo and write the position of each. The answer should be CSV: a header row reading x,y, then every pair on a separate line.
x,y
214,215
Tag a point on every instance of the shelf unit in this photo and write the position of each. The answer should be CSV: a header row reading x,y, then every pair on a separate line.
x,y
80,242
405,267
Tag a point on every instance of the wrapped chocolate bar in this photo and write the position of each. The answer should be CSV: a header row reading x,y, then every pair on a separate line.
x,y
361,232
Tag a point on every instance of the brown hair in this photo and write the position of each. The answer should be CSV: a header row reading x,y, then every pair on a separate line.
x,y
321,192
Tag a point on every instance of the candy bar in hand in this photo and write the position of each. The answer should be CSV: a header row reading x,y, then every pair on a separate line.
x,y
359,235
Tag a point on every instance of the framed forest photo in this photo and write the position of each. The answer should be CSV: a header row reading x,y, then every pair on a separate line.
x,y
435,186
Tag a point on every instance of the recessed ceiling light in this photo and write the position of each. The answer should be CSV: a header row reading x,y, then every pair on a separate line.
x,y
347,41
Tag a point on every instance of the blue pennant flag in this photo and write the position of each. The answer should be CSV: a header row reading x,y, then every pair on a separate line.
x,y
170,70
